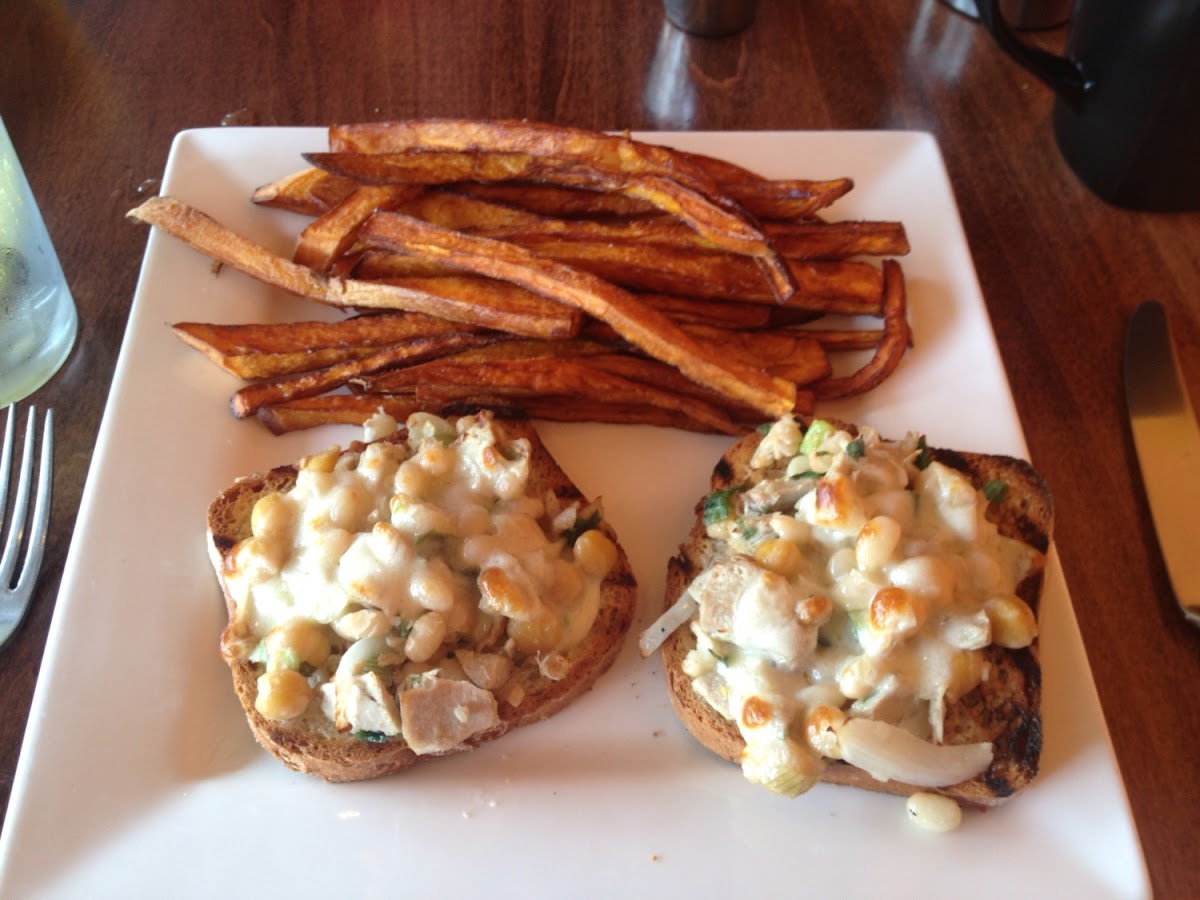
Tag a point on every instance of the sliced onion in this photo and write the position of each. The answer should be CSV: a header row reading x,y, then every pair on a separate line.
x,y
677,614
888,753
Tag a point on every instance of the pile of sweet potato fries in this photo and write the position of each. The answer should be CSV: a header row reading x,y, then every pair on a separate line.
x,y
553,272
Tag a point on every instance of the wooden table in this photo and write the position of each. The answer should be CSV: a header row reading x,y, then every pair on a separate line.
x,y
92,94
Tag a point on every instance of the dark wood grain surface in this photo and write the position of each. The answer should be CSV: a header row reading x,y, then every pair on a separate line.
x,y
92,94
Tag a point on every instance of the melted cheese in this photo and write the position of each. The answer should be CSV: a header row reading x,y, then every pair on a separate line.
x,y
911,566
383,553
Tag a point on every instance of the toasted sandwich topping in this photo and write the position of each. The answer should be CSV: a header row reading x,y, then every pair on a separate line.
x,y
397,587
862,583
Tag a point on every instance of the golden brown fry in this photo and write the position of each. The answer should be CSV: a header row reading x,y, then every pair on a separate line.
x,y
367,330
770,198
464,212
552,199
399,269
785,354
646,328
249,399
788,199
524,378
355,409
719,313
309,191
722,181
335,409
842,339
729,230
583,158
837,240
468,289
897,338
269,351
332,233
793,240
535,317
843,287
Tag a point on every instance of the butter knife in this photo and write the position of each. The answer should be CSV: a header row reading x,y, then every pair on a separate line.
x,y
1167,440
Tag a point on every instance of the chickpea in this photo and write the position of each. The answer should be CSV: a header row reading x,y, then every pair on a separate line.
x,y
821,730
595,552
896,610
1013,623
779,556
537,632
426,637
282,694
272,516
322,462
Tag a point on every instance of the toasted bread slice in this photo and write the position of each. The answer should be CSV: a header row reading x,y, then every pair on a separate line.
x,y
1004,709
537,684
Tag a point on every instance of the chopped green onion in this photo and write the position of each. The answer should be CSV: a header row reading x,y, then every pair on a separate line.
x,y
371,737
923,457
815,436
995,491
718,505
856,448
259,653
582,524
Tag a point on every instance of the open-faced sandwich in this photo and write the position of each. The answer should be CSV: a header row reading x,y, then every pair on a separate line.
x,y
862,611
414,595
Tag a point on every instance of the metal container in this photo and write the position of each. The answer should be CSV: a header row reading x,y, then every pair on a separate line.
x,y
1023,14
710,18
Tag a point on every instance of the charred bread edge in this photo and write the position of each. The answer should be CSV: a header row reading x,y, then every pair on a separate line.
x,y
337,757
1005,709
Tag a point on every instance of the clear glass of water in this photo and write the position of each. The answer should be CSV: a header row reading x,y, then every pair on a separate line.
x,y
37,313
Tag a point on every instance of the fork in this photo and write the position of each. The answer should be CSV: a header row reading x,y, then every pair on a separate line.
x,y
17,575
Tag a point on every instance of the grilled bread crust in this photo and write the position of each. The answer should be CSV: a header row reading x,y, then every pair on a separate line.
x,y
1005,709
312,745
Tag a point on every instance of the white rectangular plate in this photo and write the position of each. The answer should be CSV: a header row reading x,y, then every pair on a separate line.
x,y
138,775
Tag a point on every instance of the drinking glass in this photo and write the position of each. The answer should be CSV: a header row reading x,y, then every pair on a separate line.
x,y
37,313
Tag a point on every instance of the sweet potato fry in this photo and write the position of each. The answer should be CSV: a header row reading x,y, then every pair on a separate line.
x,y
309,191
334,409
793,240
524,378
842,339
250,398
607,153
464,212
843,287
716,178
333,232
646,328
719,313
536,317
552,199
785,354
284,348
729,230
355,409
367,330
897,338
605,407
837,240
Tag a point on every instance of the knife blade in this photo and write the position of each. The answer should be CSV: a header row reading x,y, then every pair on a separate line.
x,y
1167,440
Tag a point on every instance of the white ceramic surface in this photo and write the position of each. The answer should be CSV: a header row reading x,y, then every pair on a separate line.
x,y
138,776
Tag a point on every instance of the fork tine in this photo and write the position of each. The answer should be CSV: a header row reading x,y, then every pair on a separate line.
x,y
20,509
6,459
40,524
